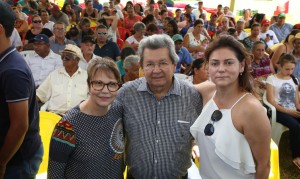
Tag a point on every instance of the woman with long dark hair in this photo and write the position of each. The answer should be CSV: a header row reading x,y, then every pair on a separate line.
x,y
228,133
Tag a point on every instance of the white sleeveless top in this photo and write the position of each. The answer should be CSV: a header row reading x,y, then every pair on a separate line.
x,y
226,153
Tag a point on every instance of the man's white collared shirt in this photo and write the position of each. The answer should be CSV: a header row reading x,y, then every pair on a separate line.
x,y
83,63
62,91
42,67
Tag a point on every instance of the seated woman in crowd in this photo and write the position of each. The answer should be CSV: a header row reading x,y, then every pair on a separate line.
x,y
70,13
37,28
224,26
195,42
177,15
134,40
196,73
138,9
172,28
95,144
228,133
285,47
283,94
44,5
187,19
89,11
296,53
85,27
254,37
21,24
131,19
246,17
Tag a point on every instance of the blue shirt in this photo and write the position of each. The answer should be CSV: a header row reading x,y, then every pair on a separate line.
x,y
283,32
17,85
184,57
110,49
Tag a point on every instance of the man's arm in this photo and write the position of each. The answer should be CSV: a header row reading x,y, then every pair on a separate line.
x,y
18,112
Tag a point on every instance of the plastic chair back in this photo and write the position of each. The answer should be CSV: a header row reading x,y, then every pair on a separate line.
x,y
48,121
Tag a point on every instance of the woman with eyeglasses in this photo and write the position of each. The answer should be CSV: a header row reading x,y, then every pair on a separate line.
x,y
88,141
37,28
233,131
283,94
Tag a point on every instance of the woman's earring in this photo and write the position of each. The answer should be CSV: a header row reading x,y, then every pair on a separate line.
x,y
241,73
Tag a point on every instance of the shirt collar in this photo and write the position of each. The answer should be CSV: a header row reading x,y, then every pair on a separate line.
x,y
175,88
6,52
63,71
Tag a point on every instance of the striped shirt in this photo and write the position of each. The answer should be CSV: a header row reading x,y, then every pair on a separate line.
x,y
157,139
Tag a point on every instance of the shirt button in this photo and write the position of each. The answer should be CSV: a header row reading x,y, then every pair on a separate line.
x,y
155,161
157,141
158,122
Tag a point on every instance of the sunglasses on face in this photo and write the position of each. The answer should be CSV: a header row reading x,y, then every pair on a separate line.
x,y
67,57
37,21
215,117
102,33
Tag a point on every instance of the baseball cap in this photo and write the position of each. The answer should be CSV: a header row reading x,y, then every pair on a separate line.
x,y
188,6
213,15
281,15
41,38
265,22
88,38
73,49
106,4
177,37
55,8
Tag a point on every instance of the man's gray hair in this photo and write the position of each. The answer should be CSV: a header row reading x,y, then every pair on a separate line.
x,y
131,59
138,26
157,41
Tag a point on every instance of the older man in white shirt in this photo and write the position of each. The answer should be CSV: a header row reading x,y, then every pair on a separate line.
x,y
65,87
44,60
87,47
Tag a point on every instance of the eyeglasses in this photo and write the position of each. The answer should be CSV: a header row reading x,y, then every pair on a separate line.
x,y
38,21
102,33
215,117
150,66
67,57
99,85
59,29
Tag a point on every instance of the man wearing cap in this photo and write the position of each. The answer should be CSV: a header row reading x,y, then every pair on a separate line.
x,y
280,28
200,10
188,10
65,87
105,7
44,60
268,35
59,16
87,46
59,41
212,25
20,142
183,54
104,47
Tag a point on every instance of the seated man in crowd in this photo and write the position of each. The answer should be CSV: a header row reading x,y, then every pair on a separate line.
x,y
131,67
87,46
184,55
104,47
59,16
65,87
59,42
45,20
43,61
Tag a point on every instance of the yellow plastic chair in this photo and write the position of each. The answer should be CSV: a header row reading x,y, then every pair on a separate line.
x,y
274,160
48,121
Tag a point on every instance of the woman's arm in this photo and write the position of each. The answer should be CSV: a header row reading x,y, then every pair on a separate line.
x,y
24,27
186,44
277,52
114,23
257,130
82,13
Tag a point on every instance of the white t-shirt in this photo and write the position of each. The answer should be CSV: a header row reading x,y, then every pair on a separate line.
x,y
49,25
16,39
242,35
285,91
272,36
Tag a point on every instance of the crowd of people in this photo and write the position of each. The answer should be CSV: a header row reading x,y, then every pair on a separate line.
x,y
160,85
